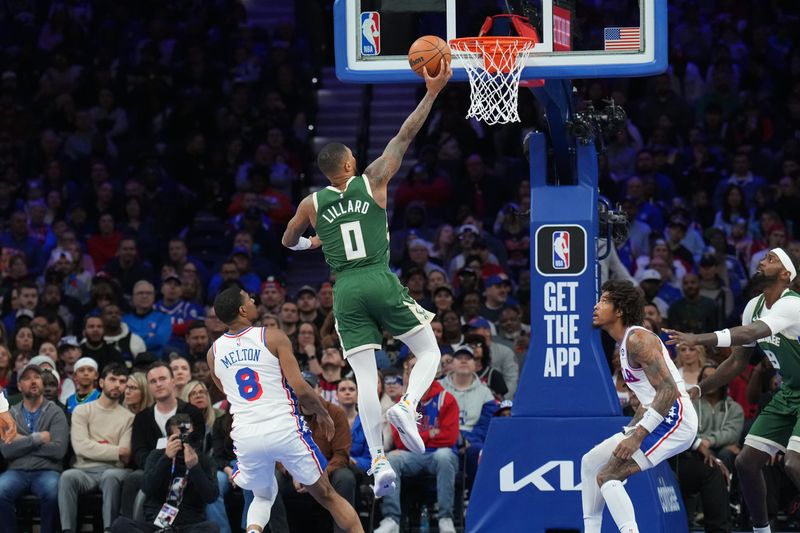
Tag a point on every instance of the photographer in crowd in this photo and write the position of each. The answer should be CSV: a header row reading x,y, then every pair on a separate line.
x,y
178,482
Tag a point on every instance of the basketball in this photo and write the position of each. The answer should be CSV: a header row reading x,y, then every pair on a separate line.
x,y
428,51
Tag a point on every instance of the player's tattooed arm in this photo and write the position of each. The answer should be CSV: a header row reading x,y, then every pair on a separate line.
x,y
740,335
382,169
645,350
637,416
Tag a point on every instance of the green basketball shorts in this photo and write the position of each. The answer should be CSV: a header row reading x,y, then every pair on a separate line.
x,y
777,426
368,300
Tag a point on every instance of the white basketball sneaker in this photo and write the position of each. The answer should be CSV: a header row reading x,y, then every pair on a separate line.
x,y
403,417
446,525
387,525
384,477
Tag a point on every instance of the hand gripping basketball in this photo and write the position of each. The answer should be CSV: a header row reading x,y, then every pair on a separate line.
x,y
437,83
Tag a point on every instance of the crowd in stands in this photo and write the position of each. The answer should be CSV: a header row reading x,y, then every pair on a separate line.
x,y
151,154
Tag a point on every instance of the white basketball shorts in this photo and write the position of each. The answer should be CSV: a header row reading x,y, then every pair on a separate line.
x,y
259,446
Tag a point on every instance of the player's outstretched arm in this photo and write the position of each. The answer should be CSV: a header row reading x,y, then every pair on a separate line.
x,y
303,217
279,344
728,369
382,169
735,336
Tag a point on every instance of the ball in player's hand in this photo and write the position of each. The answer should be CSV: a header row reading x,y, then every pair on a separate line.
x,y
428,52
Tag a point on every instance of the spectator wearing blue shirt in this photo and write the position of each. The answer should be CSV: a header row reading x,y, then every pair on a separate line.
x,y
154,327
84,374
180,311
742,177
178,256
17,236
663,188
646,210
257,252
241,259
347,396
35,456
27,302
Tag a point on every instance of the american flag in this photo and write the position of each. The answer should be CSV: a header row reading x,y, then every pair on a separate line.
x,y
621,38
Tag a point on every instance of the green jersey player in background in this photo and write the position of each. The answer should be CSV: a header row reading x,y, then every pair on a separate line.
x,y
771,321
350,220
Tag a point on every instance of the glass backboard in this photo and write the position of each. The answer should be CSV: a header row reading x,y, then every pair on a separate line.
x,y
579,38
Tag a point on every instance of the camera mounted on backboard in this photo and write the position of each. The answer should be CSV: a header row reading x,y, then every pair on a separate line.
x,y
613,223
590,123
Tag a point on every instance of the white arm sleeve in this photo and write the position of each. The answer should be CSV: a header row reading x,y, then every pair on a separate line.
x,y
784,314
3,402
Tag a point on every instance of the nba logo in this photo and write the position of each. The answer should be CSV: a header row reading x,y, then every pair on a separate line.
x,y
370,33
561,250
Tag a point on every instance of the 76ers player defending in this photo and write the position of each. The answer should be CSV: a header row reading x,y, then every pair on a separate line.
x,y
259,374
664,425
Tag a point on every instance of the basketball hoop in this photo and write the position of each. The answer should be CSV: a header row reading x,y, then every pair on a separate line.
x,y
494,66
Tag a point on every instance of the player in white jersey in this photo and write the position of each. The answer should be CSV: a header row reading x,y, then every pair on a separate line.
x,y
664,425
259,374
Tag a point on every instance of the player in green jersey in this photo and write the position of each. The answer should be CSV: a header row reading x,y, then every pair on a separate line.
x,y
350,220
772,321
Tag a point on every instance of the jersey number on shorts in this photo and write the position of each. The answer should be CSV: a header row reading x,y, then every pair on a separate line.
x,y
249,386
773,359
353,240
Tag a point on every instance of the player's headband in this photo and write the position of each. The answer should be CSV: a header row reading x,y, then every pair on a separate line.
x,y
786,262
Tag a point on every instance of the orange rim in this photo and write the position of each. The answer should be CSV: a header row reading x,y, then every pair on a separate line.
x,y
489,44
493,49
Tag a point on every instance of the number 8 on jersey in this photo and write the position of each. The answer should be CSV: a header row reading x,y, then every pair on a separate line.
x,y
249,386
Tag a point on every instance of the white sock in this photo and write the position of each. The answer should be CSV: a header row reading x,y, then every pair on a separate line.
x,y
423,345
764,529
369,405
593,524
620,506
591,497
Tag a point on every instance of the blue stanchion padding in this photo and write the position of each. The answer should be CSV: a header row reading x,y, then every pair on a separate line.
x,y
565,371
529,479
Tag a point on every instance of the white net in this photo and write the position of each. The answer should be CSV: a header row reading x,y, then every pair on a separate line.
x,y
494,66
